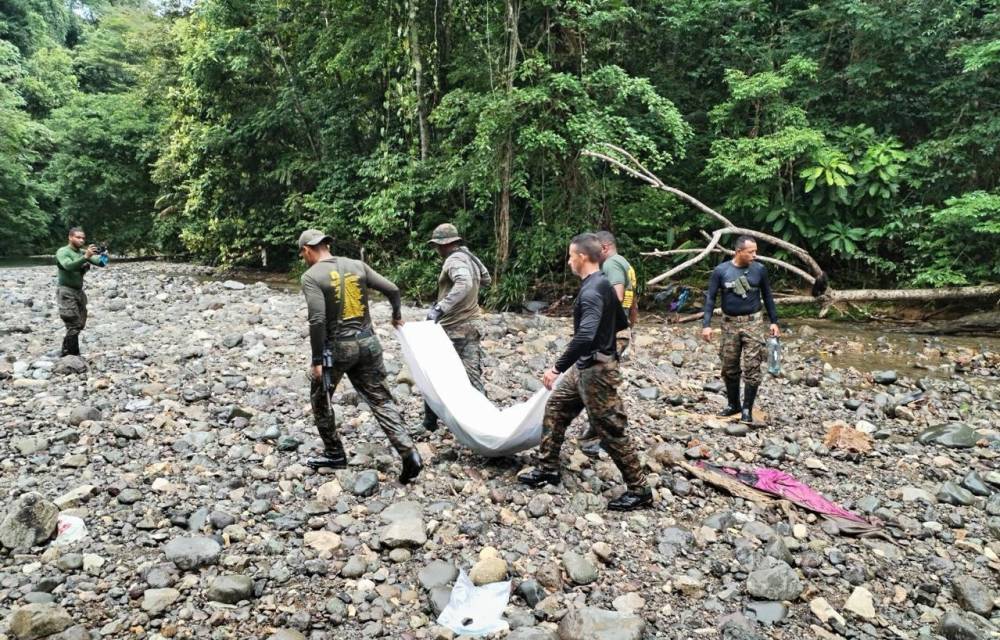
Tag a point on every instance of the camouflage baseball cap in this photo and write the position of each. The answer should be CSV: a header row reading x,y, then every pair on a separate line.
x,y
313,237
445,234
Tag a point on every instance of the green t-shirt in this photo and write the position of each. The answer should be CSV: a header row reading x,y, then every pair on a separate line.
x,y
72,265
618,271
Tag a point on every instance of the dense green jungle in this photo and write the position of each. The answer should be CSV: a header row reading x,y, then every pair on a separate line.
x,y
866,132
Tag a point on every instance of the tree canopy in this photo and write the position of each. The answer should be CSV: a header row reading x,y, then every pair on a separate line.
x,y
865,131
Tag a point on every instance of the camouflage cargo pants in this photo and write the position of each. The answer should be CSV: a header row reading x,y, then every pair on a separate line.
x,y
596,390
742,348
72,309
465,338
361,360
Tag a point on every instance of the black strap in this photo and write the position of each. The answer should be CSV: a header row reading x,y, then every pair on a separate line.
x,y
475,259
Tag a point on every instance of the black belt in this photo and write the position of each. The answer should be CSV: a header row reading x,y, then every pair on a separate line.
x,y
367,333
753,317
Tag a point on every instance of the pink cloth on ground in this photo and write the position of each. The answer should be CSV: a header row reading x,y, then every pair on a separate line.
x,y
778,483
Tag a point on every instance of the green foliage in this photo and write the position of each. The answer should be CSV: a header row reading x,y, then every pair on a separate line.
x,y
49,82
863,131
964,247
99,167
21,219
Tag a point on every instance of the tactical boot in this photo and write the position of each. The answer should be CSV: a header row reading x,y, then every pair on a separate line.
x,y
631,500
590,443
335,458
749,395
65,347
537,477
327,462
733,395
430,420
412,465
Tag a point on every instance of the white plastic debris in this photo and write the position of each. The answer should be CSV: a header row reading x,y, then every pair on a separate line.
x,y
475,421
476,611
69,529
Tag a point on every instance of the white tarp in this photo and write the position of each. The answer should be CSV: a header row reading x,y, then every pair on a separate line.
x,y
472,418
476,611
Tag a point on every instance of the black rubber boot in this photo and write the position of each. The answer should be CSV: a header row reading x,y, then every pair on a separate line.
x,y
430,418
335,458
749,396
733,395
65,347
538,477
73,345
632,500
412,465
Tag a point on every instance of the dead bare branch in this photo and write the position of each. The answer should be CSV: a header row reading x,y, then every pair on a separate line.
x,y
687,263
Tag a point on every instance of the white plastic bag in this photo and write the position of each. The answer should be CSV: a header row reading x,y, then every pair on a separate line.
x,y
475,421
69,529
476,611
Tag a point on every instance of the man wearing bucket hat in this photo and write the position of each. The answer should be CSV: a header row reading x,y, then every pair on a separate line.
x,y
457,308
343,342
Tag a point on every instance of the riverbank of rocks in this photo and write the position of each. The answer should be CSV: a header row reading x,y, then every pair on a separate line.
x,y
180,438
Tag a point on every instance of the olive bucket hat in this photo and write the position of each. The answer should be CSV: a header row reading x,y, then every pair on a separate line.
x,y
445,234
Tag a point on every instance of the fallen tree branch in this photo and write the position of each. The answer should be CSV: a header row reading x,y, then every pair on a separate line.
x,y
778,263
895,295
687,263
821,294
647,176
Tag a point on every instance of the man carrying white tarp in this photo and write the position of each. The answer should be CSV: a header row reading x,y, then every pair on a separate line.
x,y
586,376
457,307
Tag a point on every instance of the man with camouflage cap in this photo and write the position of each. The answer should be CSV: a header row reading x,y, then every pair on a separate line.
x,y
343,342
590,380
457,308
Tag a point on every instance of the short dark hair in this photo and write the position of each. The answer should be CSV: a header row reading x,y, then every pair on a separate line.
x,y
742,241
606,237
589,245
73,230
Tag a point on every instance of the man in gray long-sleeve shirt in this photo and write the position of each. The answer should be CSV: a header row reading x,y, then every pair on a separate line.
x,y
342,342
457,309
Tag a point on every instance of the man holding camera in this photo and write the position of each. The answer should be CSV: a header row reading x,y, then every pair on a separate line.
x,y
72,262
457,309
343,342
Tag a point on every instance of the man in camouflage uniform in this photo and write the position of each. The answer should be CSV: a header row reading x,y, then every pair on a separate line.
x,y
72,262
340,328
457,308
621,275
590,381
744,286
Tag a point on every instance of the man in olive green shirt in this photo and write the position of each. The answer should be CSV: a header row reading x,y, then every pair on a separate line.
x,y
341,334
457,307
73,262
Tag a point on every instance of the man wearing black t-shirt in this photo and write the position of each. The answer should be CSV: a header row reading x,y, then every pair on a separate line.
x,y
743,283
590,380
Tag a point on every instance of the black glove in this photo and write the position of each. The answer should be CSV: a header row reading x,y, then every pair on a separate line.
x,y
435,313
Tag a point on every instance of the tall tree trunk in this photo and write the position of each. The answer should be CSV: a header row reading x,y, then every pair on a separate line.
x,y
442,47
507,152
418,80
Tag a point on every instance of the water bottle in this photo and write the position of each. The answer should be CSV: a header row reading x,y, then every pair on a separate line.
x,y
773,356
